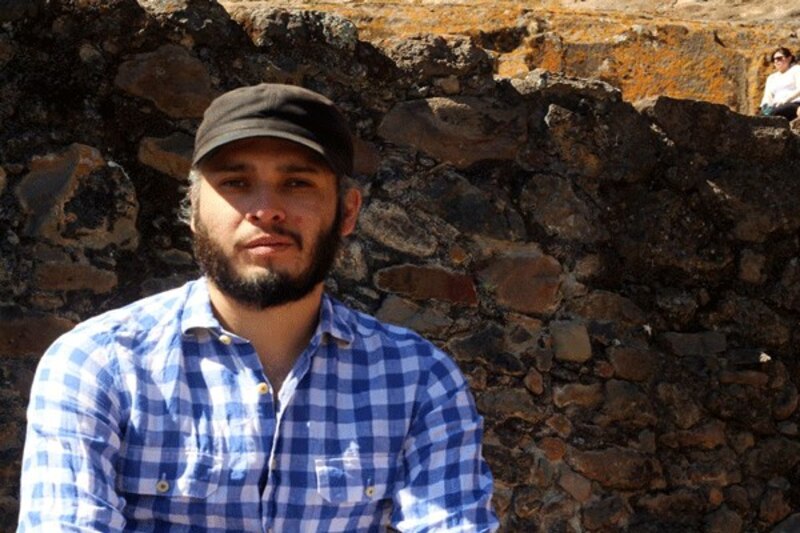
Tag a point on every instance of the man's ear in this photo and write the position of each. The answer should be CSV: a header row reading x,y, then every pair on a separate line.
x,y
351,205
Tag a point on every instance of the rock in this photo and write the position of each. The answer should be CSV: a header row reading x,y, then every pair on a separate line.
x,y
571,341
553,448
772,457
551,83
586,396
552,203
764,325
774,507
576,485
169,155
616,468
277,27
527,283
785,403
581,136
677,504
444,57
75,198
422,283
171,78
506,403
694,125
751,267
350,262
625,403
468,208
790,525
560,424
609,513
31,335
390,225
750,378
633,364
688,344
534,382
68,276
605,305
404,313
527,501
13,10
203,22
175,257
459,130
709,436
723,520
2,180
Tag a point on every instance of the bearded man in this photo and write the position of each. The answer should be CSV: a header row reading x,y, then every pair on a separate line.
x,y
249,399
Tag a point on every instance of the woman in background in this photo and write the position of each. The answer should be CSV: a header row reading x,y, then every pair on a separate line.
x,y
782,92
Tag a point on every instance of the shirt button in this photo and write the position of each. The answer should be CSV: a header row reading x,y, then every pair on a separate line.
x,y
162,486
263,388
369,491
225,339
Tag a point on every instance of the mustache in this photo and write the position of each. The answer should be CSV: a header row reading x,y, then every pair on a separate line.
x,y
276,230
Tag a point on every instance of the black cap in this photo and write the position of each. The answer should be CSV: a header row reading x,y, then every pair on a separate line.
x,y
275,110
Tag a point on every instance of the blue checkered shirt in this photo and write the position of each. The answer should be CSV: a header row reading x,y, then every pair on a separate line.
x,y
154,418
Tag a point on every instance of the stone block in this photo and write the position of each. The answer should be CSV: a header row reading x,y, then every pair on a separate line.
x,y
633,364
616,468
423,283
708,436
750,378
423,320
57,276
576,485
578,395
459,130
31,335
390,225
75,198
534,382
175,81
526,283
170,155
501,404
625,403
698,344
571,341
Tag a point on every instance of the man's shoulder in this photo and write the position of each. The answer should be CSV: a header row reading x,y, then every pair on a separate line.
x,y
364,325
369,333
144,315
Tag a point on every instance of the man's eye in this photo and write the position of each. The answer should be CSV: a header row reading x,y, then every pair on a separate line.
x,y
233,183
297,183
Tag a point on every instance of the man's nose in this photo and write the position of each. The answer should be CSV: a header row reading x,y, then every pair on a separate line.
x,y
266,207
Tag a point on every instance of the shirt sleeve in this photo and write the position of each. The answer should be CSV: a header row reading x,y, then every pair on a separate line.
x,y
72,442
447,485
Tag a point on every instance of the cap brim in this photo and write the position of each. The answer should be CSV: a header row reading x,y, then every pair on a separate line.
x,y
237,135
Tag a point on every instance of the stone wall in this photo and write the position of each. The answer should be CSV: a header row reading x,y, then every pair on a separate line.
x,y
620,284
713,50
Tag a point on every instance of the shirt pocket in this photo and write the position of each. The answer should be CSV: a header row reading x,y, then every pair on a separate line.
x,y
150,471
353,479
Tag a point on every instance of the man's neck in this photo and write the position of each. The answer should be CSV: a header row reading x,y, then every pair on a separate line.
x,y
279,334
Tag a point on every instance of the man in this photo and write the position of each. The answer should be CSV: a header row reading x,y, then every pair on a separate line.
x,y
249,400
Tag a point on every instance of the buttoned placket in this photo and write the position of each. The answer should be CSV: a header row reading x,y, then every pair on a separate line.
x,y
298,372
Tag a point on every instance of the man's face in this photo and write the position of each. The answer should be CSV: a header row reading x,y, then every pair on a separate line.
x,y
267,220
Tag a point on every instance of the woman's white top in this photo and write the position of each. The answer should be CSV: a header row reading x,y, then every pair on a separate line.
x,y
781,85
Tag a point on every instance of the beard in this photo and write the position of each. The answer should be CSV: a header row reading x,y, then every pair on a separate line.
x,y
271,287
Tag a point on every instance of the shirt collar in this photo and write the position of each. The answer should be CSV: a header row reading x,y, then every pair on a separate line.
x,y
197,313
